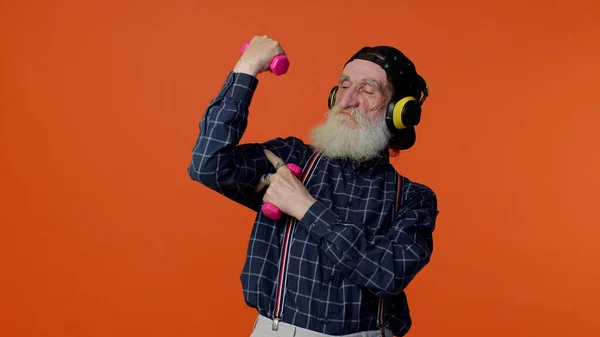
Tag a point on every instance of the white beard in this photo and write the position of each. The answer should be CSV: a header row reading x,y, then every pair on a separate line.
x,y
336,140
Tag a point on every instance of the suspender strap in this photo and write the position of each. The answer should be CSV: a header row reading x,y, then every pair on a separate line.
x,y
398,203
286,247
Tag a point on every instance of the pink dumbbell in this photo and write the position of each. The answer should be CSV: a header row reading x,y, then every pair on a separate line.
x,y
272,211
279,64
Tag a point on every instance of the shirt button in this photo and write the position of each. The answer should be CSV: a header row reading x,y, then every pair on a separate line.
x,y
331,278
349,203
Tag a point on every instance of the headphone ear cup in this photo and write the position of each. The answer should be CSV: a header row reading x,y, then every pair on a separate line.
x,y
332,94
403,113
411,114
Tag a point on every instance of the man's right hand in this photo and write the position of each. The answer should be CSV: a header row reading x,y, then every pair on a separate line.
x,y
257,57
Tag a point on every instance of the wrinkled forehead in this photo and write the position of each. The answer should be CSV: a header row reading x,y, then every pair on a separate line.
x,y
363,70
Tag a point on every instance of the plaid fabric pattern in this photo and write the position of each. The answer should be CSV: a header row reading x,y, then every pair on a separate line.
x,y
347,252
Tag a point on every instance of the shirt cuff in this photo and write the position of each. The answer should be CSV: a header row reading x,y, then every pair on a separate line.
x,y
318,219
239,86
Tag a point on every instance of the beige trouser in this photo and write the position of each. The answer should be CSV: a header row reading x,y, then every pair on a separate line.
x,y
263,327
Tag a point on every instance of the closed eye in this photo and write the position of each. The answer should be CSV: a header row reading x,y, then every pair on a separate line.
x,y
368,89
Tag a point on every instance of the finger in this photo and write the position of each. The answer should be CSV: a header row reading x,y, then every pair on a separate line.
x,y
262,183
272,157
279,165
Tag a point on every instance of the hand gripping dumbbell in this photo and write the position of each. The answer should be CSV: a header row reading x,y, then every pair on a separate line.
x,y
279,64
273,212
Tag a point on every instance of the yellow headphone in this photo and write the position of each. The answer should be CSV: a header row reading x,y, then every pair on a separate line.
x,y
401,112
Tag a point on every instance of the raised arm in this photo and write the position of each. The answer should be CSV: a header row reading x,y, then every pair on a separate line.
x,y
218,160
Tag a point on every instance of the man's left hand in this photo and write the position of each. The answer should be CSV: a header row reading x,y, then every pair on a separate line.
x,y
284,190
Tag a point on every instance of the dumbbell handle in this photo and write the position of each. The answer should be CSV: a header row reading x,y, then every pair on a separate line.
x,y
273,212
279,64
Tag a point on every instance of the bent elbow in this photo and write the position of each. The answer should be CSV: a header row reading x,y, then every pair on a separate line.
x,y
403,280
203,178
210,178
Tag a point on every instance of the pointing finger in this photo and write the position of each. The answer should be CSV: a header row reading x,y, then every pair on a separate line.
x,y
272,158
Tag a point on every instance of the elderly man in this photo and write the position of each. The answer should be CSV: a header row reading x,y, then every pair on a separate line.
x,y
354,232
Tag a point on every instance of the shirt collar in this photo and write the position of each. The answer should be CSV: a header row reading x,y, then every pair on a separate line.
x,y
382,158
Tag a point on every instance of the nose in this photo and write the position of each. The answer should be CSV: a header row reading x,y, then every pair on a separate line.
x,y
347,98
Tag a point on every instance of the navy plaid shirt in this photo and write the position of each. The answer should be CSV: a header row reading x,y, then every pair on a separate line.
x,y
350,249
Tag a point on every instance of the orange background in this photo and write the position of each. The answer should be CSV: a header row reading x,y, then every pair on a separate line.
x,y
104,234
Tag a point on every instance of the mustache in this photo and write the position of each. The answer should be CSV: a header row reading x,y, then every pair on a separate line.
x,y
349,111
352,112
